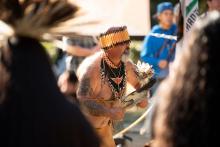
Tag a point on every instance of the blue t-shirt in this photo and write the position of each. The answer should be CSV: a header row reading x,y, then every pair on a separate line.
x,y
156,49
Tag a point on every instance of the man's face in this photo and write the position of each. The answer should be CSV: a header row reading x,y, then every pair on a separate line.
x,y
118,50
213,5
166,18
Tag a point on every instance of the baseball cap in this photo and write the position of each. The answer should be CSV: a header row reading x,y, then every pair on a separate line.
x,y
164,6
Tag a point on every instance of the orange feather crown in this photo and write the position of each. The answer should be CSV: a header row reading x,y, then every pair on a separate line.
x,y
113,38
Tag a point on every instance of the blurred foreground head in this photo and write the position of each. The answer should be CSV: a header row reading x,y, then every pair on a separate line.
x,y
33,112
188,98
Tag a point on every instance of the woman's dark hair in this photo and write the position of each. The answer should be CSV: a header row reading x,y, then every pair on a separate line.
x,y
33,111
187,109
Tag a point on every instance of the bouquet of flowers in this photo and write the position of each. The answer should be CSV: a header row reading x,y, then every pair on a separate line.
x,y
144,71
145,74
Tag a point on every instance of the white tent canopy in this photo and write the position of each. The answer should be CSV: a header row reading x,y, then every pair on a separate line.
x,y
102,14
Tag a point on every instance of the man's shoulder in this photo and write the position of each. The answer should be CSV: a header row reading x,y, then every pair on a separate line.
x,y
92,60
89,66
156,29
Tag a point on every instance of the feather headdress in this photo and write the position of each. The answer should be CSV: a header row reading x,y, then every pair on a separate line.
x,y
33,18
22,24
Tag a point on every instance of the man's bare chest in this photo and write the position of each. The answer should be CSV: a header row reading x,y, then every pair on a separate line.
x,y
104,90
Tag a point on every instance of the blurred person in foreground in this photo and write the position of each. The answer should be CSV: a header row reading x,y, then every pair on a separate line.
x,y
185,115
33,112
102,82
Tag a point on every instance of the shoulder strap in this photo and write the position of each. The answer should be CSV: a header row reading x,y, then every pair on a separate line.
x,y
161,49
164,45
172,49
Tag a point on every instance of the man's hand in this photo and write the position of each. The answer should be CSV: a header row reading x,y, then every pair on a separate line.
x,y
116,113
143,104
163,64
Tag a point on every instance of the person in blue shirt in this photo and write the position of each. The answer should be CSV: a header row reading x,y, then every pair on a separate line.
x,y
159,50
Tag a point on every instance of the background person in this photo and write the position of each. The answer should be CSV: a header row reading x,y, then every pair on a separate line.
x,y
77,48
158,51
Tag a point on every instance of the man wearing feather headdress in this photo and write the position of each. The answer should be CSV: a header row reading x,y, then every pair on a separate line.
x,y
102,82
33,112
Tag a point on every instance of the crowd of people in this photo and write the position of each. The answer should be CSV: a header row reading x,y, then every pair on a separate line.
x,y
78,105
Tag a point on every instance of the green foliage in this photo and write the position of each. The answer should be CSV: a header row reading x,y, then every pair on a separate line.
x,y
135,50
51,50
202,6
134,55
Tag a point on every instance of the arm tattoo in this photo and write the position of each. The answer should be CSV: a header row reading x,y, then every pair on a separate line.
x,y
95,108
84,87
89,104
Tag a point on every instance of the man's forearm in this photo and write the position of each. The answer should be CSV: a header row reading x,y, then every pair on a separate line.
x,y
95,108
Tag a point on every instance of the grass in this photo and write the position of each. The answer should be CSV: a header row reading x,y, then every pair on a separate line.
x,y
51,50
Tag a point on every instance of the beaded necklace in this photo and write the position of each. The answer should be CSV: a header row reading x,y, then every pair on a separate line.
x,y
116,77
109,62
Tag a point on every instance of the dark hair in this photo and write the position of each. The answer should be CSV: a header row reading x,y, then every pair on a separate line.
x,y
186,114
33,110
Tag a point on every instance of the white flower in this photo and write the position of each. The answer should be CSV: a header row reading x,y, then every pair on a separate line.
x,y
144,67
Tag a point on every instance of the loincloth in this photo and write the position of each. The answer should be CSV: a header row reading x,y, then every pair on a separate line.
x,y
106,136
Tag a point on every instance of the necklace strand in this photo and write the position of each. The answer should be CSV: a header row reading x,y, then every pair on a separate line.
x,y
119,91
109,62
